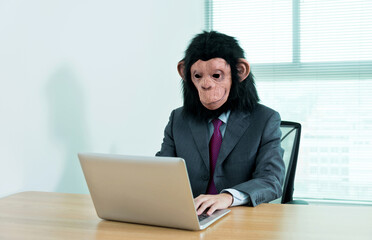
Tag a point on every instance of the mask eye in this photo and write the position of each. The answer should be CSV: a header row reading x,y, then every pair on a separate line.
x,y
216,75
197,76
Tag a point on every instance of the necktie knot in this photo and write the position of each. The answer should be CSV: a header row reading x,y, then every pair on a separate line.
x,y
217,123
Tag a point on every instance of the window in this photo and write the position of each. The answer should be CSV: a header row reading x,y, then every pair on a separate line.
x,y
272,24
312,60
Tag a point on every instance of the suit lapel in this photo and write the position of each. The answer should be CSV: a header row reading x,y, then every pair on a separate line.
x,y
237,124
199,132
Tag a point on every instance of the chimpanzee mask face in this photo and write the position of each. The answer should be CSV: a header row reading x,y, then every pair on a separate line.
x,y
212,79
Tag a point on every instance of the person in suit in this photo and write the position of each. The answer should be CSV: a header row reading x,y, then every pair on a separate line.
x,y
230,142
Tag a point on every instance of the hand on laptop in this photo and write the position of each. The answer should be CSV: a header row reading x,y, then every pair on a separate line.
x,y
213,202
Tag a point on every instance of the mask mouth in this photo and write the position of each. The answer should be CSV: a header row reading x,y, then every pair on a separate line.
x,y
209,105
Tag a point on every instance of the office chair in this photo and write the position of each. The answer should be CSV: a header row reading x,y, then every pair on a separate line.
x,y
290,141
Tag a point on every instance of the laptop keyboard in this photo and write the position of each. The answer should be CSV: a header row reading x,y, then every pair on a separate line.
x,y
203,216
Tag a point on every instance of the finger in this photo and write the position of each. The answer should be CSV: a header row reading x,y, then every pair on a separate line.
x,y
204,206
222,201
212,208
199,200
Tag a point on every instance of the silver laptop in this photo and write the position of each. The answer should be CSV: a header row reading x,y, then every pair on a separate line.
x,y
144,190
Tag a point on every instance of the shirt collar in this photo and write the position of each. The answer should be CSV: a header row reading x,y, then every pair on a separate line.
x,y
223,117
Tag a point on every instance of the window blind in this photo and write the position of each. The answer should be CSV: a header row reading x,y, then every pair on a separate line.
x,y
312,61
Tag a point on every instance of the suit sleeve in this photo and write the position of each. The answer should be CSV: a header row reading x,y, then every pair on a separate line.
x,y
266,184
168,147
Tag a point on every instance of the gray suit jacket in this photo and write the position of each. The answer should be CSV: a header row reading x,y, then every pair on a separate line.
x,y
250,158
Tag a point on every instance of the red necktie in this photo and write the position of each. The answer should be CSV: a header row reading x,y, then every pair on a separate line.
x,y
214,149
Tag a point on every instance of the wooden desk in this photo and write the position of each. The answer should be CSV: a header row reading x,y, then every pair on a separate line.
x,y
40,215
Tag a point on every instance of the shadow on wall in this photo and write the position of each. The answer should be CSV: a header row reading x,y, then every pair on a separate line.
x,y
68,127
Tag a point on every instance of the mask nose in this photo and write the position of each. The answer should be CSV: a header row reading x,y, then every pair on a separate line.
x,y
206,83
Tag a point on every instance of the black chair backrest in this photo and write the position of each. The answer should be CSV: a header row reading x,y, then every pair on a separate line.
x,y
290,141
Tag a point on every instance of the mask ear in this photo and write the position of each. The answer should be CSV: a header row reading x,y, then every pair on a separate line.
x,y
181,69
243,69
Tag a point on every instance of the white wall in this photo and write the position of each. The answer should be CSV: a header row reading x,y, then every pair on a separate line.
x,y
83,75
